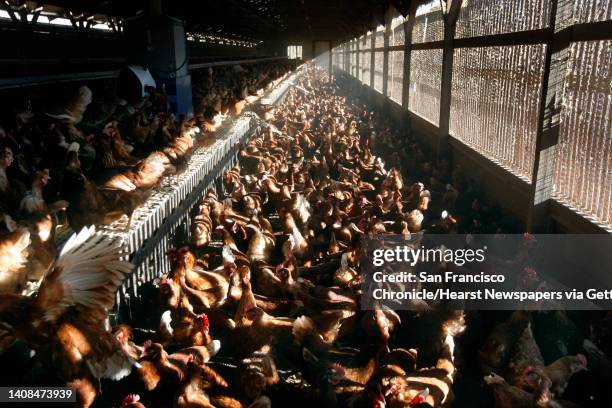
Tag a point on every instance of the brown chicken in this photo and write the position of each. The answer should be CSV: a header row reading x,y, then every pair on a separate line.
x,y
34,202
191,392
132,401
145,175
90,204
66,319
13,259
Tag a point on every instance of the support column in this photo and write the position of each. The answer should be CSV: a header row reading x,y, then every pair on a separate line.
x,y
549,115
408,25
330,63
450,21
385,76
358,62
372,57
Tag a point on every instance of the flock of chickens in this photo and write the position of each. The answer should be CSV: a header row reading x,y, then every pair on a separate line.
x,y
82,162
262,306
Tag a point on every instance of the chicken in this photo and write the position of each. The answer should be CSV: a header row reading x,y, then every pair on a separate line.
x,y
144,175
509,396
525,353
432,386
132,401
118,147
41,249
185,329
92,205
192,278
34,203
11,190
497,347
65,320
263,332
13,258
202,226
599,372
191,392
72,111
559,372
156,370
123,334
379,324
261,243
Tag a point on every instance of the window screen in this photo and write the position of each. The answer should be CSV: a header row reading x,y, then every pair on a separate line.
x,y
428,23
488,17
583,171
396,34
395,76
494,103
425,81
365,67
379,63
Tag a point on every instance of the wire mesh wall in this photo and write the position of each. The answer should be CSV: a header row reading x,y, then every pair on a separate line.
x,y
490,17
379,37
500,52
583,11
583,171
379,58
425,81
364,63
395,80
494,103
396,34
353,63
428,23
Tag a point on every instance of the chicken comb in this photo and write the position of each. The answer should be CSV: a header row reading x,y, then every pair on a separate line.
x,y
530,272
528,236
204,320
171,252
147,344
184,250
338,368
582,359
418,399
190,358
131,399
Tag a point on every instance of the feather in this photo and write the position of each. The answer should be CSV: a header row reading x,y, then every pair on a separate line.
x,y
87,273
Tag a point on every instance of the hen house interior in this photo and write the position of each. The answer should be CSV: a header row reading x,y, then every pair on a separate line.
x,y
190,193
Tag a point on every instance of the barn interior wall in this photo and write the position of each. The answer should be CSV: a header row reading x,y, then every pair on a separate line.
x,y
502,188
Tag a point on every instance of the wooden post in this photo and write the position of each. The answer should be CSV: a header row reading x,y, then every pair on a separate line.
x,y
358,62
555,64
385,76
450,21
372,57
329,68
408,25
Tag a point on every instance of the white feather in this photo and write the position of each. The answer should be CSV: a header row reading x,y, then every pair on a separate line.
x,y
214,347
91,271
165,323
